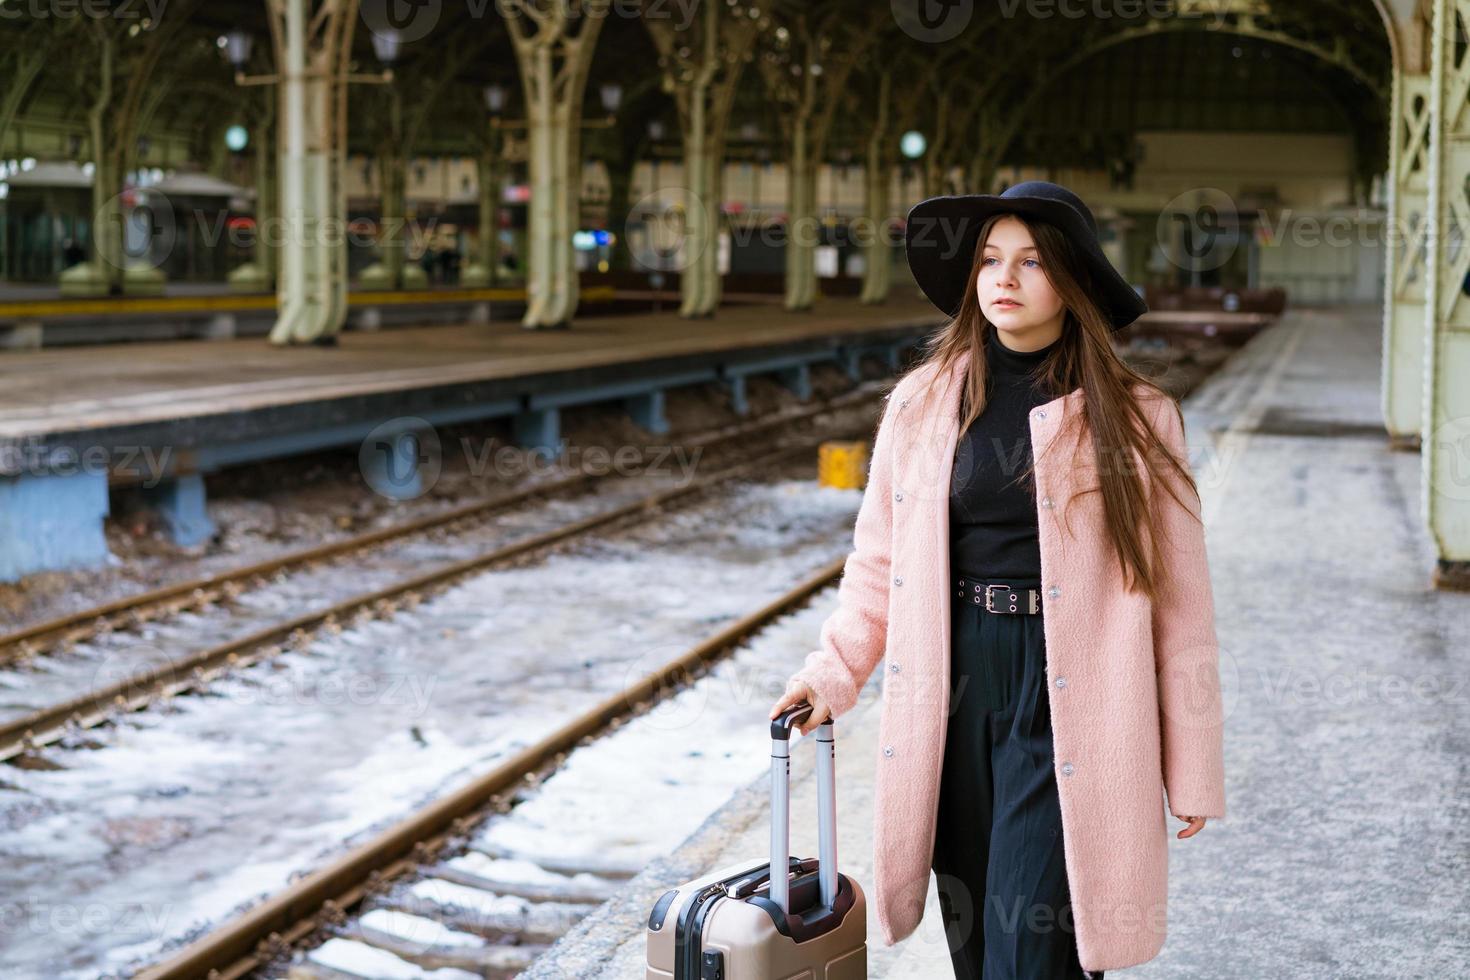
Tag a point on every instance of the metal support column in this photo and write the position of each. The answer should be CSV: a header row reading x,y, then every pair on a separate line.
x,y
1445,445
312,53
1405,275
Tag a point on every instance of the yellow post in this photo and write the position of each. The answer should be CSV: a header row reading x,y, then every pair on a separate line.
x,y
843,465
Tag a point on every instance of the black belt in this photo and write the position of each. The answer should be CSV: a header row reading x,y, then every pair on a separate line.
x,y
998,597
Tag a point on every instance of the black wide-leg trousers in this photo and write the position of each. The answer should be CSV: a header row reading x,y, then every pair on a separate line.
x,y
998,856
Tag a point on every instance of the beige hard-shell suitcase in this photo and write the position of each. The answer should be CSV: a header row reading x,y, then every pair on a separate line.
x,y
738,923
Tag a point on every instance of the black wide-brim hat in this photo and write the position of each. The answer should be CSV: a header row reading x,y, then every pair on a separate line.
x,y
942,232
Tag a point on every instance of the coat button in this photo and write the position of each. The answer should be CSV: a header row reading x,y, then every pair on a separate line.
x,y
898,495
893,668
1053,591
1066,769
888,750
1040,414
903,403
898,580
1046,502
1061,682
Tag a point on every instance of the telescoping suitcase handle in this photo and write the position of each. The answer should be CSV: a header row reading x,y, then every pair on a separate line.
x,y
781,806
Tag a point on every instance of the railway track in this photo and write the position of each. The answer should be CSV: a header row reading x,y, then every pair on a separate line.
x,y
432,891
170,659
133,612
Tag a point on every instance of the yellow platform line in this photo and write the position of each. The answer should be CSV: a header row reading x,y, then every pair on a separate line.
x,y
192,304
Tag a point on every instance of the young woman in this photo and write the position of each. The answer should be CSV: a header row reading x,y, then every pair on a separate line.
x,y
1029,556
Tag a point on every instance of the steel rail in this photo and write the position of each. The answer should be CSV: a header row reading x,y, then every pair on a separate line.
x,y
47,725
21,643
268,929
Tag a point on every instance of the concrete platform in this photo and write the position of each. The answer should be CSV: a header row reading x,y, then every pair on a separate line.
x,y
160,415
33,317
1345,678
101,390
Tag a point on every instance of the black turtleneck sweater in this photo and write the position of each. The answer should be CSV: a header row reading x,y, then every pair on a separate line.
x,y
992,501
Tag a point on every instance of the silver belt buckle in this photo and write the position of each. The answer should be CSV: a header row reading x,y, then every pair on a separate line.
x,y
1030,600
988,597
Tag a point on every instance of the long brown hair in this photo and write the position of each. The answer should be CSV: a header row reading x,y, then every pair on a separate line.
x,y
1082,358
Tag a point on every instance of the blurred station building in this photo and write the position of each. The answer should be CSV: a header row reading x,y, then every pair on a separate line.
x,y
299,172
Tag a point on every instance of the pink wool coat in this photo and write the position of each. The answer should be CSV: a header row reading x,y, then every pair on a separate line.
x,y
1134,687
